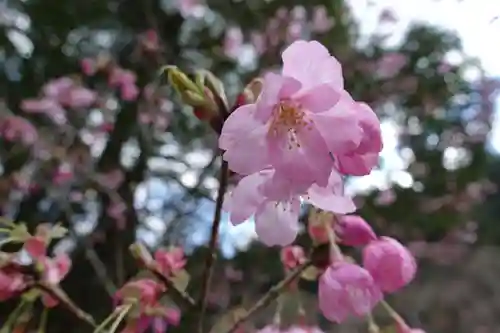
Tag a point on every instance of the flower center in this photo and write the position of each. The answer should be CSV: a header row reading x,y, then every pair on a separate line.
x,y
288,119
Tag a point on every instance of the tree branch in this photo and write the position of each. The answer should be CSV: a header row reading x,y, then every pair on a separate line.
x,y
271,295
212,245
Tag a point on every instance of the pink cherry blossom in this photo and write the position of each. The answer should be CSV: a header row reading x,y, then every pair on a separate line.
x,y
353,230
14,128
361,160
390,263
170,261
292,256
290,125
347,289
276,209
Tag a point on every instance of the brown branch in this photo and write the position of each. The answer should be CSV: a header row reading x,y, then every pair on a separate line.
x,y
67,302
271,295
179,296
212,245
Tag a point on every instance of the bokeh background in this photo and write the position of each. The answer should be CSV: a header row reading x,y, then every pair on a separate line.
x,y
121,159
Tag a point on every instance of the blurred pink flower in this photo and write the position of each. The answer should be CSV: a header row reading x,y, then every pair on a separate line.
x,y
347,289
170,261
12,283
129,92
233,41
47,106
390,64
353,230
56,88
36,247
88,66
321,22
14,128
390,263
150,41
119,77
78,97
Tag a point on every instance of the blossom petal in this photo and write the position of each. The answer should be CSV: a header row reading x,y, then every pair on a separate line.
x,y
311,64
339,126
246,198
278,224
331,197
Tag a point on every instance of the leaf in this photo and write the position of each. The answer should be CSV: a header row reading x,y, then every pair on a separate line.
x,y
19,233
226,321
181,279
58,231
310,274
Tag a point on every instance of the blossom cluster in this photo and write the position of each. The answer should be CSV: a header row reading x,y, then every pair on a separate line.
x,y
295,143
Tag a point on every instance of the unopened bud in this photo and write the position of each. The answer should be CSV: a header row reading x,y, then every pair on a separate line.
x,y
140,253
206,79
353,230
180,81
195,94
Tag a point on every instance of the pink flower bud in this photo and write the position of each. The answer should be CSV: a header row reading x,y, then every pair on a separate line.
x,y
390,263
292,256
346,289
353,230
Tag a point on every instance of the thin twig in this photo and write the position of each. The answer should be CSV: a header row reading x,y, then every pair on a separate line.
x,y
68,303
179,296
212,245
271,295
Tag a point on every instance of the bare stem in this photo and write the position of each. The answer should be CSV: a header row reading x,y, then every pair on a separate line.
x,y
212,245
68,303
271,295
